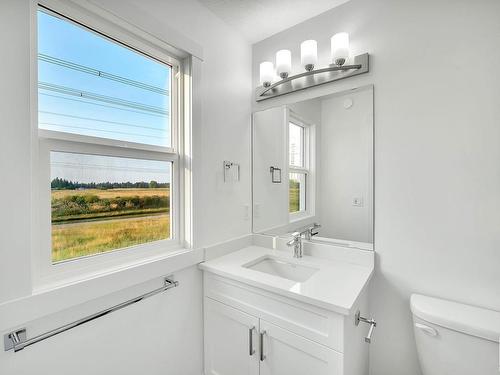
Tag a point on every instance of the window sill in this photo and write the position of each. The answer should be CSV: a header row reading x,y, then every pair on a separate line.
x,y
59,296
50,275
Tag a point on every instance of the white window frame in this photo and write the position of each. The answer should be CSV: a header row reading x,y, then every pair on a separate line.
x,y
308,165
46,274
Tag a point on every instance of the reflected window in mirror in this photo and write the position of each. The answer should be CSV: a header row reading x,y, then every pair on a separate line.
x,y
296,145
298,165
297,192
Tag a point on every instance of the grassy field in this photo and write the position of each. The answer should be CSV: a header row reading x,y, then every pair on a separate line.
x,y
293,196
111,193
92,221
107,215
294,200
76,240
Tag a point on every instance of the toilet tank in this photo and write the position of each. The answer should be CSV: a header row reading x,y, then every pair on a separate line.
x,y
455,339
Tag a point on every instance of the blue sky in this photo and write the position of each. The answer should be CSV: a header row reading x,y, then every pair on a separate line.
x,y
121,110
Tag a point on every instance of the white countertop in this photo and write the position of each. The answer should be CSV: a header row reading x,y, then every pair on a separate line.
x,y
335,286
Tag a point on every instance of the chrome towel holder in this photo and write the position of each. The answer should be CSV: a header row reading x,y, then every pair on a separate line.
x,y
17,340
358,318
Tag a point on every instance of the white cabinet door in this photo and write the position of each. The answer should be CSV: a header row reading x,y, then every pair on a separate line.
x,y
285,353
231,340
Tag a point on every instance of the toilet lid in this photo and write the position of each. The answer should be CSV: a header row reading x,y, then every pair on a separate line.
x,y
468,319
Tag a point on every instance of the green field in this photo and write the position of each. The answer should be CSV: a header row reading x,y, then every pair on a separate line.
x,y
293,196
92,221
112,193
89,238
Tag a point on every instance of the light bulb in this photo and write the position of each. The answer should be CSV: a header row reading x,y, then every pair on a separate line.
x,y
283,63
266,73
340,48
309,54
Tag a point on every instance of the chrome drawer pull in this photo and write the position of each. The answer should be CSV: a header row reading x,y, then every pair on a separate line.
x,y
251,350
261,344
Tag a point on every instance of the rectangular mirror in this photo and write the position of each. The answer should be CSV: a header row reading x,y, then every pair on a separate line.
x,y
322,151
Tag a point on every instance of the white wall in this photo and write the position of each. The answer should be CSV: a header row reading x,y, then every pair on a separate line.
x,y
15,150
347,167
159,335
164,334
270,199
437,151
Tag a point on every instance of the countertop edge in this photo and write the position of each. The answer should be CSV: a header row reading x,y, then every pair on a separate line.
x,y
343,310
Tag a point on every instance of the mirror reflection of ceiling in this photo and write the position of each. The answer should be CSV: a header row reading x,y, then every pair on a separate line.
x,y
259,19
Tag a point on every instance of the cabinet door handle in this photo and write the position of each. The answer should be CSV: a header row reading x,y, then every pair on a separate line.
x,y
261,345
251,350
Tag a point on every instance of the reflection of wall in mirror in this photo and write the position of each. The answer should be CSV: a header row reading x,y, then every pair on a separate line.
x,y
269,199
345,181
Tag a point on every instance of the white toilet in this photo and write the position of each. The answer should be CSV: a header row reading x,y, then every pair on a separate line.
x,y
455,339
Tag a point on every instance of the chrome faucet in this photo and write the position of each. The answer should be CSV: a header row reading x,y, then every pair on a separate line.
x,y
310,231
296,242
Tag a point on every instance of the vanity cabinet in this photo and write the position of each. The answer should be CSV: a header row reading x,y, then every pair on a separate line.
x,y
289,354
249,330
237,343
230,340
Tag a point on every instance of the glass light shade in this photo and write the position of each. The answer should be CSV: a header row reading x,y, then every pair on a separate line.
x,y
340,48
309,54
266,73
283,63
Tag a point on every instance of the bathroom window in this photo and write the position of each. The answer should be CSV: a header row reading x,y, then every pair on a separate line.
x,y
103,203
108,141
299,166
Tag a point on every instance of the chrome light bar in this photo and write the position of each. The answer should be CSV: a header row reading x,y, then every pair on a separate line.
x,y
313,78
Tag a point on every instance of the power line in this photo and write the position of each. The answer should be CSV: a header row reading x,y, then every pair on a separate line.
x,y
104,121
102,98
100,73
107,167
101,105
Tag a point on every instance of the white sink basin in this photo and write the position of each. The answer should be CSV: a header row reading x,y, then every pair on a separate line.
x,y
281,268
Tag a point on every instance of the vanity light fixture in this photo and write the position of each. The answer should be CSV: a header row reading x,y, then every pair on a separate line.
x,y
309,54
311,77
266,73
283,63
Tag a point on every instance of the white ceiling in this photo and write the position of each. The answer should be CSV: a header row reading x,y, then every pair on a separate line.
x,y
259,19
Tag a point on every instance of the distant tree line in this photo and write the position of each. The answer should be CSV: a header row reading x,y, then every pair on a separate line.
x,y
75,205
63,184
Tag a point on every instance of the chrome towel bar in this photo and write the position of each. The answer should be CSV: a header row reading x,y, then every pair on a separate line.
x,y
17,340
